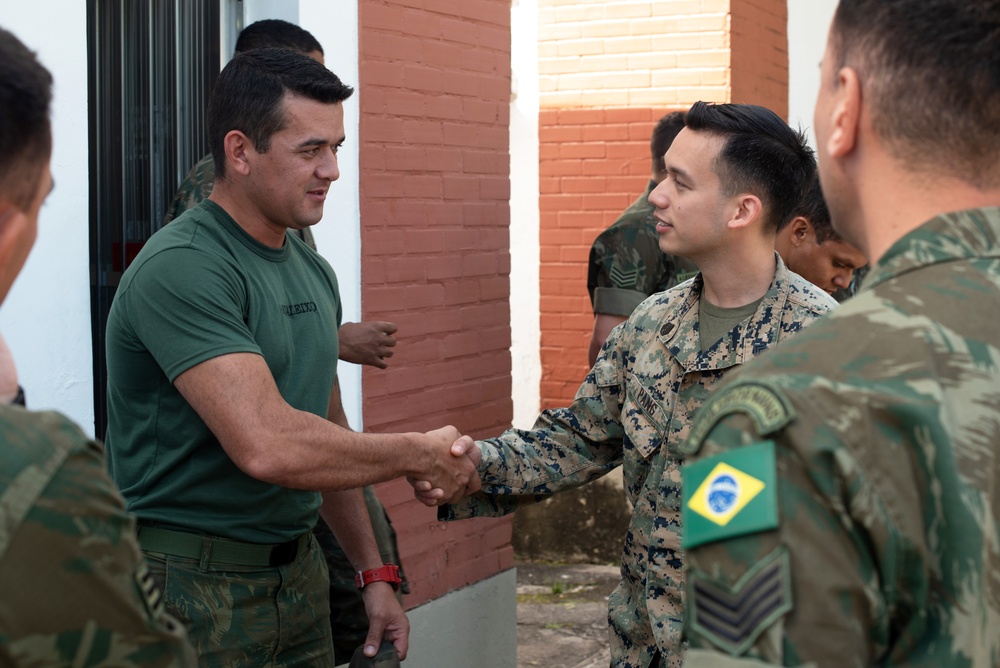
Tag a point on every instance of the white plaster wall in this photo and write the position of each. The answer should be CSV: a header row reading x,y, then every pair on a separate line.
x,y
475,626
46,316
808,23
338,235
525,353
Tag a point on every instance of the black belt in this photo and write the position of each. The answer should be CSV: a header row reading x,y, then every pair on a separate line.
x,y
218,551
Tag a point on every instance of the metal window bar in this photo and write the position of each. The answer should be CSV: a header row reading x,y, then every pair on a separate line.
x,y
151,65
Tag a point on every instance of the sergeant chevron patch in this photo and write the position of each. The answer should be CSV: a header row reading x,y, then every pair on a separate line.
x,y
624,278
732,617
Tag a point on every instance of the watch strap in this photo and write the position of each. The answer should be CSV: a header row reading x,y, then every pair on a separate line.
x,y
388,573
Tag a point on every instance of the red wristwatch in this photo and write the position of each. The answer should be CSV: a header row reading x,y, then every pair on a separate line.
x,y
388,573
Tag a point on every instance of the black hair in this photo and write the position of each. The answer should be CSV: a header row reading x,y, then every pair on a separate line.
x,y
249,96
813,208
663,136
25,129
761,155
276,34
930,75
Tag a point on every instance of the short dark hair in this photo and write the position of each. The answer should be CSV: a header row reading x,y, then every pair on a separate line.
x,y
930,75
761,155
25,129
276,34
812,207
663,136
249,96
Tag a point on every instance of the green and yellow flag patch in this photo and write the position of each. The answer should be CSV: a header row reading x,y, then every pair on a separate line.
x,y
730,495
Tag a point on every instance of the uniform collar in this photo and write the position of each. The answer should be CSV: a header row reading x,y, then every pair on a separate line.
x,y
959,235
679,335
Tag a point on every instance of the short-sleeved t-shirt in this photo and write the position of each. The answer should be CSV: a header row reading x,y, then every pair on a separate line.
x,y
201,288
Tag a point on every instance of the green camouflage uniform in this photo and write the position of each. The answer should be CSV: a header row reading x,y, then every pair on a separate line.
x,y
626,264
844,509
74,588
634,410
348,620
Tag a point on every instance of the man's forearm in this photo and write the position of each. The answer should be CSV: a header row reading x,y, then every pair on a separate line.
x,y
346,514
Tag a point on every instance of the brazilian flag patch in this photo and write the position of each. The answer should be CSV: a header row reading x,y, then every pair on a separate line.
x,y
730,495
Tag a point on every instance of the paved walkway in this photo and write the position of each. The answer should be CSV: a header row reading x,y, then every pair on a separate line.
x,y
562,615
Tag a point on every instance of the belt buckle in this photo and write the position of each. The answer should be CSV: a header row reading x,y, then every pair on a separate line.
x,y
284,553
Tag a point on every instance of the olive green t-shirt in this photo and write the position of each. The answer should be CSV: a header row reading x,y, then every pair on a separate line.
x,y
715,321
201,288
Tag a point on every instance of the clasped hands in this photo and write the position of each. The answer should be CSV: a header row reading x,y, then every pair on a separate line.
x,y
452,474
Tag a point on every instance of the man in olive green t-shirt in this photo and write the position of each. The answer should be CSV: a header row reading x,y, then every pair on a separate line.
x,y
224,414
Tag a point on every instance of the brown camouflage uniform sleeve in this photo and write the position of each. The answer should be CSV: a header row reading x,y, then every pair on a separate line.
x,y
74,588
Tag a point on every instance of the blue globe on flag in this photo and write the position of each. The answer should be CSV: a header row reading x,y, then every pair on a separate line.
x,y
722,493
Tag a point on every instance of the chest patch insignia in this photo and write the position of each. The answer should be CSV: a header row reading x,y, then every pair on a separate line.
x,y
729,495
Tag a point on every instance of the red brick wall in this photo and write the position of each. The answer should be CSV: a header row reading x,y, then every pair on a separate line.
x,y
434,99
607,73
759,44
594,163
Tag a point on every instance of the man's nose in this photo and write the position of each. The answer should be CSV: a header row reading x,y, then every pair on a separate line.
x,y
330,168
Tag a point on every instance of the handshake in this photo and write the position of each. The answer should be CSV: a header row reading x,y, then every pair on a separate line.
x,y
449,462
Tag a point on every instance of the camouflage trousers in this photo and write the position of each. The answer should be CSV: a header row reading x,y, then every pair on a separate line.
x,y
251,615
348,620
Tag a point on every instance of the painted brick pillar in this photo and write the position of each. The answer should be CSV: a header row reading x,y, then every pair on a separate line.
x,y
608,71
434,97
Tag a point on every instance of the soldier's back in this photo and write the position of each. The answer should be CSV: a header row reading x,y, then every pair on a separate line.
x,y
74,589
884,418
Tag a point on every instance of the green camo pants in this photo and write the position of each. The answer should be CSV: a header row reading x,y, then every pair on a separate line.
x,y
241,616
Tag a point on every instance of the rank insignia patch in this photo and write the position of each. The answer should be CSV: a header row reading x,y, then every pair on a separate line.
x,y
729,495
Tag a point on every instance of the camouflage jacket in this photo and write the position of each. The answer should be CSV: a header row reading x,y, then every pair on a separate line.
x,y
844,509
74,589
633,410
197,186
626,264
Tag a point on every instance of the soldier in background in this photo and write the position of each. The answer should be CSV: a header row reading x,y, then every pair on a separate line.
x,y
74,587
626,264
812,248
845,506
720,208
360,343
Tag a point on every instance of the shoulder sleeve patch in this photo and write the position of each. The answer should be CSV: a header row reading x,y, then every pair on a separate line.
x,y
733,617
765,405
729,495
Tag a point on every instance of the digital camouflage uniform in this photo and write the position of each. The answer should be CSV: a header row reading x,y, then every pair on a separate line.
x,y
74,588
634,410
348,620
872,533
626,264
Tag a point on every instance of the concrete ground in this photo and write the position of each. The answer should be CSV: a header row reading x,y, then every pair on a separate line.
x,y
562,614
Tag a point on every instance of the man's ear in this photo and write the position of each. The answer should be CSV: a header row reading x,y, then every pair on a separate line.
x,y
846,112
237,146
13,227
748,211
800,230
